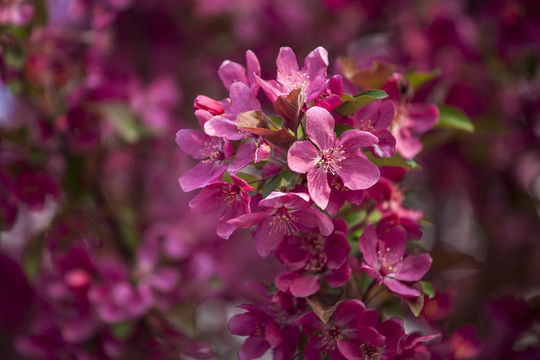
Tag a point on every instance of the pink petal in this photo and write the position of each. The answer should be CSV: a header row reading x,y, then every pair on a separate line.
x,y
399,288
413,268
350,350
286,64
339,276
210,198
268,236
290,200
243,324
358,173
223,127
194,143
393,244
201,175
311,322
423,116
316,63
248,220
253,68
320,127
304,285
253,348
318,187
349,312
352,140
230,72
271,88
368,245
244,155
312,218
242,99
302,157
273,333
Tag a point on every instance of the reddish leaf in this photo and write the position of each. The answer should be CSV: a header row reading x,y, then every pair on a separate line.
x,y
368,78
255,122
290,108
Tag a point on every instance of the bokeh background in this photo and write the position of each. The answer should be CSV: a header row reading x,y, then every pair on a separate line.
x,y
100,254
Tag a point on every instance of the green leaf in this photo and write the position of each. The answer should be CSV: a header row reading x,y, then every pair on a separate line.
x,y
122,330
453,118
415,303
285,180
427,288
351,104
123,120
395,160
339,129
419,78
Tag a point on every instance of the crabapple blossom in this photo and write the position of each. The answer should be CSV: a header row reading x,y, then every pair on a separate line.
x,y
385,260
341,157
285,213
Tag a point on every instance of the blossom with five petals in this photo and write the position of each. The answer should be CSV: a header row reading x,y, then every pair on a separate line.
x,y
341,157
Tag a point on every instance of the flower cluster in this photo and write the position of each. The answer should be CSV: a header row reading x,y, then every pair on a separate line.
x,y
294,177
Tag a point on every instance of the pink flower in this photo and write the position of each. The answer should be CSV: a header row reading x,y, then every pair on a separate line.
x,y
349,334
385,260
268,326
230,72
233,199
212,151
376,118
410,120
312,256
285,213
341,157
312,77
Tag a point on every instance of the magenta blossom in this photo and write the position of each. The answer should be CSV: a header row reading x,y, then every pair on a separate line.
x,y
268,326
230,72
214,154
341,157
310,257
385,260
376,118
312,77
233,199
349,334
410,120
285,213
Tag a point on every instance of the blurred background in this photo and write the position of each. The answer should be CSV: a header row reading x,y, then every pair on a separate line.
x,y
100,254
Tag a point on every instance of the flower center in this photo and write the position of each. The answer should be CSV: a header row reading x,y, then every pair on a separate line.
x,y
282,221
389,262
213,151
298,80
371,352
329,338
330,158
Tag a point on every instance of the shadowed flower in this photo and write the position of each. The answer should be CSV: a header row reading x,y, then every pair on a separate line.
x,y
385,260
233,199
285,213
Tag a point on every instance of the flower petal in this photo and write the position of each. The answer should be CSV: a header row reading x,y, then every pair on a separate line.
x,y
413,268
286,64
318,187
304,285
368,245
230,72
302,157
253,348
320,127
358,173
312,218
399,288
202,174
